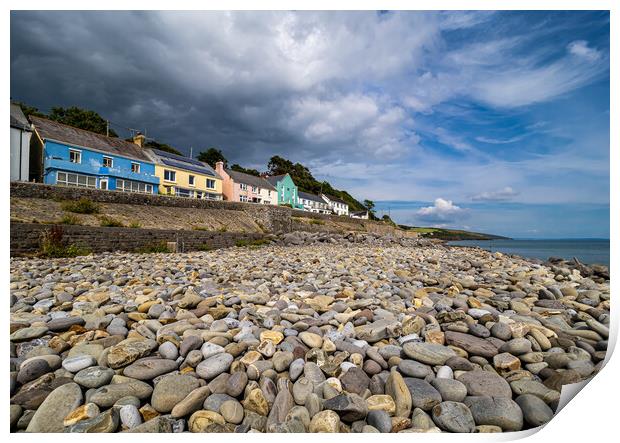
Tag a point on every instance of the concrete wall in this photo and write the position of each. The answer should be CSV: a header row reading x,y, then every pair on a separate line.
x,y
25,238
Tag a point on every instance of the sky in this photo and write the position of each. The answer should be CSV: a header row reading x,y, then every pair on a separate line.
x,y
487,121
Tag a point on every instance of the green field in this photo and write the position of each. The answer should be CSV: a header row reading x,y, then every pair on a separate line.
x,y
449,234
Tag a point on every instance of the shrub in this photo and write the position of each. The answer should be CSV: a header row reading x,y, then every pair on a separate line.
x,y
82,206
205,247
200,228
53,246
252,243
222,229
70,219
316,221
109,222
154,248
135,224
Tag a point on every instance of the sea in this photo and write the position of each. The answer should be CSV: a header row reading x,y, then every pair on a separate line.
x,y
587,251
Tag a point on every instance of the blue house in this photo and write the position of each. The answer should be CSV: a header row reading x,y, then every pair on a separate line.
x,y
64,155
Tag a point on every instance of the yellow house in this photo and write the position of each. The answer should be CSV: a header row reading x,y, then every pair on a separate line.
x,y
185,177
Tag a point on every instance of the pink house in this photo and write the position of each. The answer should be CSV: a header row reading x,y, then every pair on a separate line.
x,y
241,187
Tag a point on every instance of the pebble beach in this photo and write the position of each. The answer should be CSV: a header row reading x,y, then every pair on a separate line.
x,y
312,333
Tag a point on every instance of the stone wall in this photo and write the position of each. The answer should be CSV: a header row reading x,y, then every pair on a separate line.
x,y
25,238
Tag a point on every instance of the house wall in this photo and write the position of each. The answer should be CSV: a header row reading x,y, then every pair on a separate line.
x,y
56,158
182,180
20,154
287,192
260,193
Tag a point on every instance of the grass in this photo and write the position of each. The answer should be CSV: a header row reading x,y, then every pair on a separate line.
x,y
205,247
200,228
70,219
53,246
82,206
222,229
153,249
135,224
252,243
110,222
316,221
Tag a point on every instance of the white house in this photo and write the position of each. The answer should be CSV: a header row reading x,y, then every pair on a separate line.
x,y
338,206
359,214
21,131
313,203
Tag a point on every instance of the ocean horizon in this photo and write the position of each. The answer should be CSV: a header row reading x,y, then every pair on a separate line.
x,y
586,250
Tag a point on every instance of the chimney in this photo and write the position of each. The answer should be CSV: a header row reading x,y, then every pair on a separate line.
x,y
139,139
219,167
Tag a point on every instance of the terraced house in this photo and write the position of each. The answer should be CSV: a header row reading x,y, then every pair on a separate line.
x,y
313,203
286,190
337,205
242,187
64,155
185,177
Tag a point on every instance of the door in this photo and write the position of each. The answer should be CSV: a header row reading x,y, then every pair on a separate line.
x,y
103,184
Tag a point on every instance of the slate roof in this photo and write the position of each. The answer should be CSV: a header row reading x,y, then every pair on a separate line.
x,y
336,199
181,162
249,179
312,197
51,130
274,179
18,119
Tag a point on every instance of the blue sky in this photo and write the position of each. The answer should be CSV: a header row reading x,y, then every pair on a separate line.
x,y
490,121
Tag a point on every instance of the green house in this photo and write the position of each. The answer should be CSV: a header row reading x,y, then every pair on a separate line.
x,y
287,190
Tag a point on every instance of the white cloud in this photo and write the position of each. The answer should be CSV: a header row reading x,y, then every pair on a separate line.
x,y
441,211
504,194
580,48
496,141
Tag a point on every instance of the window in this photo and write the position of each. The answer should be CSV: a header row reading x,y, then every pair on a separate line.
x,y
170,176
243,186
191,180
243,198
180,192
75,156
210,184
69,179
107,162
254,189
200,194
133,186
135,167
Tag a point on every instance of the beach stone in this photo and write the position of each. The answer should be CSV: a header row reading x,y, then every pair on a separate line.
x,y
501,331
350,407
396,388
355,381
450,389
412,368
16,413
128,351
191,403
84,412
105,422
506,362
381,403
168,350
130,416
499,411
76,364
535,411
517,346
423,395
429,353
211,349
473,345
94,377
27,334
325,421
236,383
480,383
380,420
59,403
280,408
453,416
200,421
214,365
171,390
256,402
32,370
189,343
232,411
107,395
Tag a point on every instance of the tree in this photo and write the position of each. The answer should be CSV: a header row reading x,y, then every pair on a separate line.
x,y
240,168
29,110
369,204
278,166
81,118
211,156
